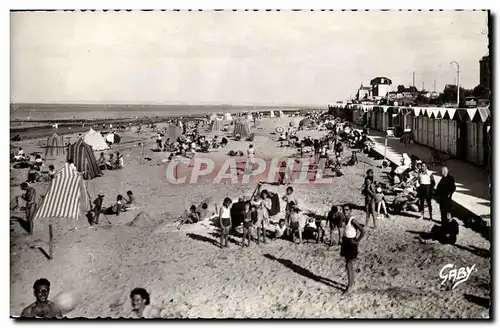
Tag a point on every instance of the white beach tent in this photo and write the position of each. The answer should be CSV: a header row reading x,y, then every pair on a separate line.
x,y
95,139
249,116
213,117
271,114
228,117
281,114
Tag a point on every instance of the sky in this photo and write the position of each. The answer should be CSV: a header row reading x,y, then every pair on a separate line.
x,y
236,58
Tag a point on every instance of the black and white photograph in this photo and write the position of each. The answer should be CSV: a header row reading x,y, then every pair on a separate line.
x,y
250,164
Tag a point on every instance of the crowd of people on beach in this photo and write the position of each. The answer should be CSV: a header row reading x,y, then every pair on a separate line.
x,y
257,219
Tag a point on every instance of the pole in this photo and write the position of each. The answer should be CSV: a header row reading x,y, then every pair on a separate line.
x,y
413,83
434,85
385,149
458,81
51,239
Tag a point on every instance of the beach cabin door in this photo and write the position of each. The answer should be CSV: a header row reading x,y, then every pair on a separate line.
x,y
452,137
437,134
480,145
471,142
444,135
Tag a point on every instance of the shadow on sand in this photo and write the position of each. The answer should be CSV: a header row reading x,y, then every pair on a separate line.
x,y
306,273
481,301
482,252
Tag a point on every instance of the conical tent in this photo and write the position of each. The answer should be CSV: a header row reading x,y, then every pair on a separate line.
x,y
173,132
228,117
84,159
249,116
65,197
281,114
271,114
242,128
217,125
95,139
55,146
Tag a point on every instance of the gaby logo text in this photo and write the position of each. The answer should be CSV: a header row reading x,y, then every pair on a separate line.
x,y
455,275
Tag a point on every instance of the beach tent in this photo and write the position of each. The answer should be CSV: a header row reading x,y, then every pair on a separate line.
x,y
112,138
84,159
173,132
228,117
242,128
281,114
217,125
55,146
95,139
271,114
66,195
249,117
213,117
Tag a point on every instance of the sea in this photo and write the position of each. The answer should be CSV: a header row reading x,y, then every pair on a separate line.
x,y
54,112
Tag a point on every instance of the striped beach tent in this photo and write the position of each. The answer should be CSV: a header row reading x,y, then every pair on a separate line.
x,y
217,125
65,196
242,128
84,159
173,132
55,146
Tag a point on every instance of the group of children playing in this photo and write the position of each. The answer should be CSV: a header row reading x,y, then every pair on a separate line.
x,y
114,163
121,205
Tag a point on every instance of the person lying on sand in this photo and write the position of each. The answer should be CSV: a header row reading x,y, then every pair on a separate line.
x,y
141,307
446,233
117,207
42,307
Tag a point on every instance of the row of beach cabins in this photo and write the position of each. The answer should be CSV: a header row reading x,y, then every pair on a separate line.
x,y
463,133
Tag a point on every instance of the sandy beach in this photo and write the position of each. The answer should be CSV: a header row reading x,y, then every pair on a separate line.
x,y
189,276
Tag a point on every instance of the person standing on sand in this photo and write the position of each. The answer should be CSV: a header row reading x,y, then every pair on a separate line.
x,y
29,197
444,191
42,307
250,215
368,191
225,221
349,247
141,307
335,218
425,189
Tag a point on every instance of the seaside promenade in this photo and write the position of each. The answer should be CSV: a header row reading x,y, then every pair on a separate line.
x,y
472,182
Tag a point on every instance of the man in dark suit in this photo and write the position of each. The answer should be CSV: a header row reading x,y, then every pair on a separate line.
x,y
444,191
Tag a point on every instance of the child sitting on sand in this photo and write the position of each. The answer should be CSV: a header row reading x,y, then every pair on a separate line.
x,y
280,229
193,215
52,172
130,198
117,207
